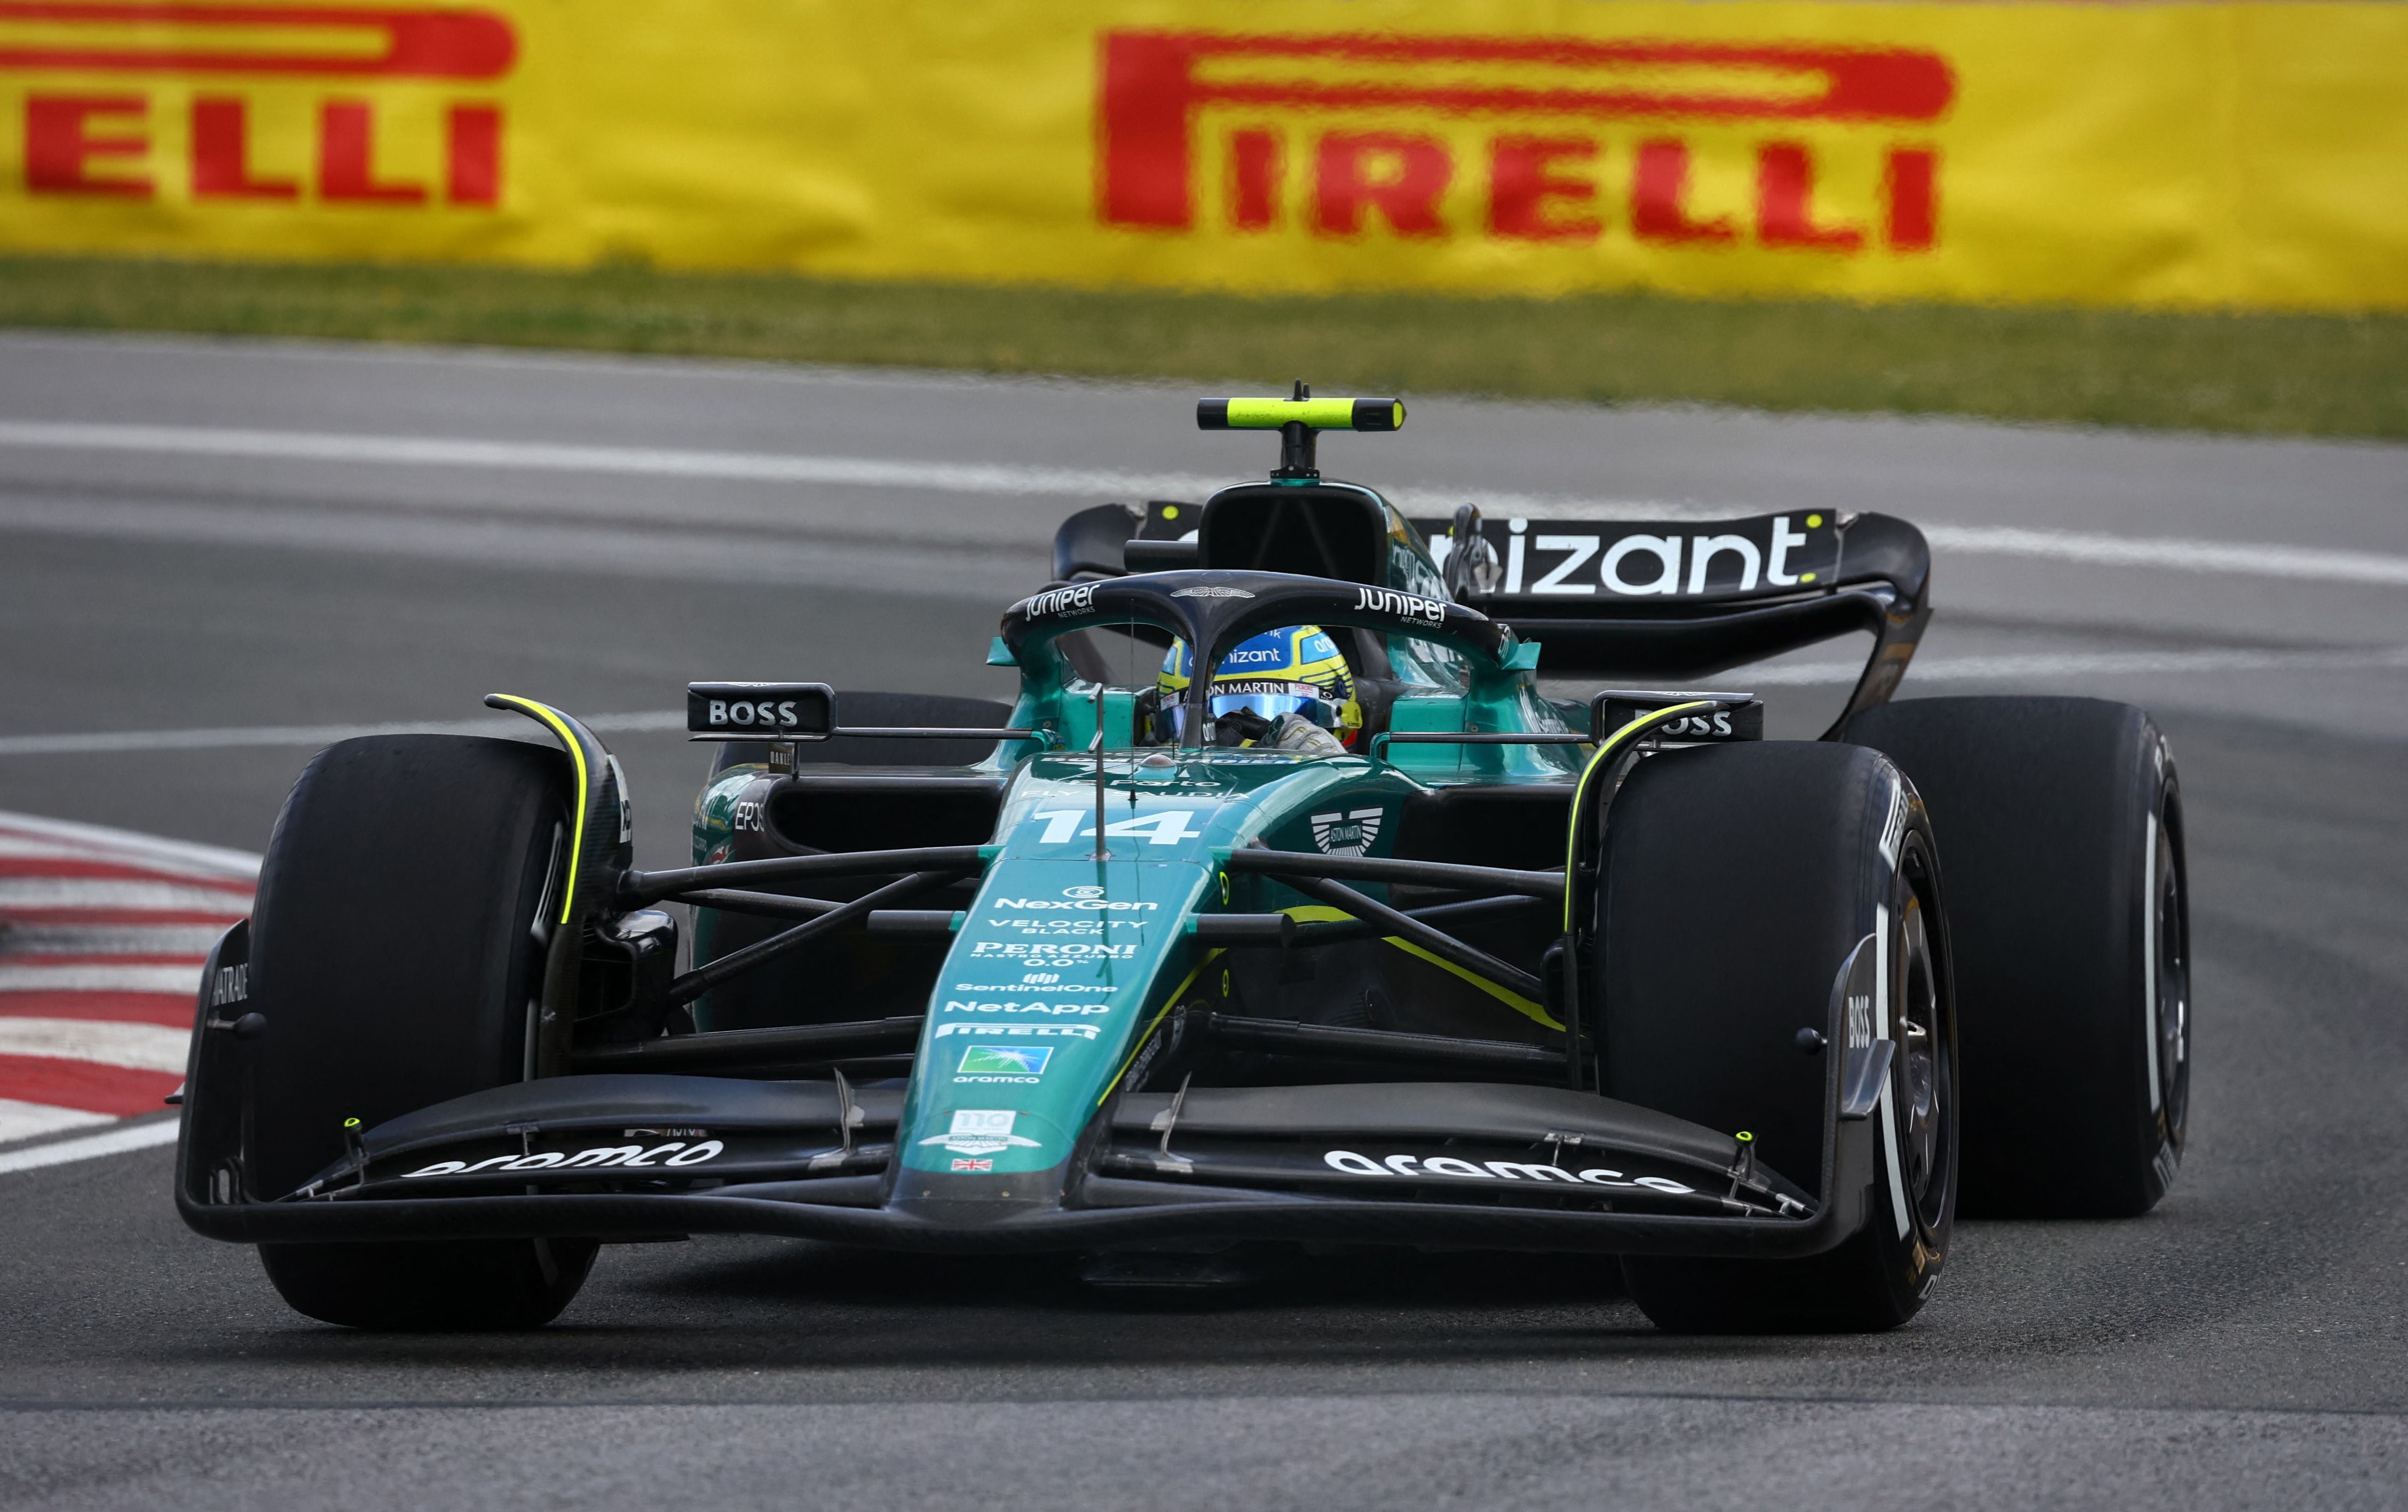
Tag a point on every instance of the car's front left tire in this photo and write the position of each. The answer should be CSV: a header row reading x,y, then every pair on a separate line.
x,y
395,955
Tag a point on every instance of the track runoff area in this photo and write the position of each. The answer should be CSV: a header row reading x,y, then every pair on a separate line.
x,y
2243,1346
103,934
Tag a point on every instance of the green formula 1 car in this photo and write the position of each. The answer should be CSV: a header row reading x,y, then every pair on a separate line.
x,y
1335,930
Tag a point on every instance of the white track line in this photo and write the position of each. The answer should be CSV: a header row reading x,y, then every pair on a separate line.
x,y
2181,554
31,1120
1806,673
194,940
2045,665
2244,558
52,1031
316,735
211,860
655,461
114,1142
101,1041
114,892
19,977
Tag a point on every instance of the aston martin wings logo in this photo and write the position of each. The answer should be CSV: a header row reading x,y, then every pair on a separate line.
x,y
1347,834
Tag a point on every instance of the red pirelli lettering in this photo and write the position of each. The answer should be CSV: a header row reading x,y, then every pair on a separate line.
x,y
1534,192
474,143
60,146
1659,197
1785,209
1400,177
1153,85
1910,183
1254,161
222,154
146,37
346,159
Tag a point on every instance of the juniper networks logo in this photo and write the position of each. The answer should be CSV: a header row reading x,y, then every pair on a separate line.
x,y
1350,833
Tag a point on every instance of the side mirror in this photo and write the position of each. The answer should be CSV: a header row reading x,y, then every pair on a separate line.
x,y
1471,569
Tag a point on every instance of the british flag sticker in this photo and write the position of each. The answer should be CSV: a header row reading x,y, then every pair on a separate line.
x,y
987,1166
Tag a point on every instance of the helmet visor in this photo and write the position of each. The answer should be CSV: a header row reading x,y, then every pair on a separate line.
x,y
1267,705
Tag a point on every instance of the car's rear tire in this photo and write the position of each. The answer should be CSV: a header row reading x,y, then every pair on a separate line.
x,y
2060,823
1739,879
395,957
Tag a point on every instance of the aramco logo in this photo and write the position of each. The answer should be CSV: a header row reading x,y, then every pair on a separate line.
x,y
1359,131
211,63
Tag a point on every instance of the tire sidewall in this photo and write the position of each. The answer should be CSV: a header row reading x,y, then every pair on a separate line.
x,y
2165,1095
1912,1258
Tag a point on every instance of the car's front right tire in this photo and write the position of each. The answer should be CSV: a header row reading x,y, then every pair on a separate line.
x,y
1739,879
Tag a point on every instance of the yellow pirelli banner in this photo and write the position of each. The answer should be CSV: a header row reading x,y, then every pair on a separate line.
x,y
2193,155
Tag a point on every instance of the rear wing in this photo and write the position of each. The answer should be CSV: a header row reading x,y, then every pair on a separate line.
x,y
1634,602
1681,600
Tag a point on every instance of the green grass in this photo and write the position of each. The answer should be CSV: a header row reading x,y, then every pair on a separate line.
x,y
2265,374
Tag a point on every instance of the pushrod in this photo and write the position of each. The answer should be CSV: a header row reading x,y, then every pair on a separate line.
x,y
702,979
740,1047
1289,864
637,889
1406,927
1334,933
771,904
1282,1036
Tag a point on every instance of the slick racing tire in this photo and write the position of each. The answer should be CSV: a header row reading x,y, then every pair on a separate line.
x,y
2060,823
394,956
1738,879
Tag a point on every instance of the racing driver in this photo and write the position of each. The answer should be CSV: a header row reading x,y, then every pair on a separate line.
x,y
1283,689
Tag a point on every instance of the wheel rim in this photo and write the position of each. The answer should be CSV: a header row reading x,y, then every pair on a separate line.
x,y
1926,1083
2170,938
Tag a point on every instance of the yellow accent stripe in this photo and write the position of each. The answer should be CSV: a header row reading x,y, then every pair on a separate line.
x,y
1321,414
576,825
1163,1012
1608,749
1316,913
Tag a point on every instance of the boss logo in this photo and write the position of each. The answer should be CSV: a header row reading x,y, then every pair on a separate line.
x,y
1704,726
759,708
779,716
1741,722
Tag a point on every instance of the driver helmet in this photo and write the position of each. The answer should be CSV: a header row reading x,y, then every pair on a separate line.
x,y
1294,671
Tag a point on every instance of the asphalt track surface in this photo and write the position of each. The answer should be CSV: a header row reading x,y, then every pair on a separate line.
x,y
2245,1345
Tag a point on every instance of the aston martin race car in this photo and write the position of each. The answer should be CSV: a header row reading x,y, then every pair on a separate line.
x,y
1327,926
